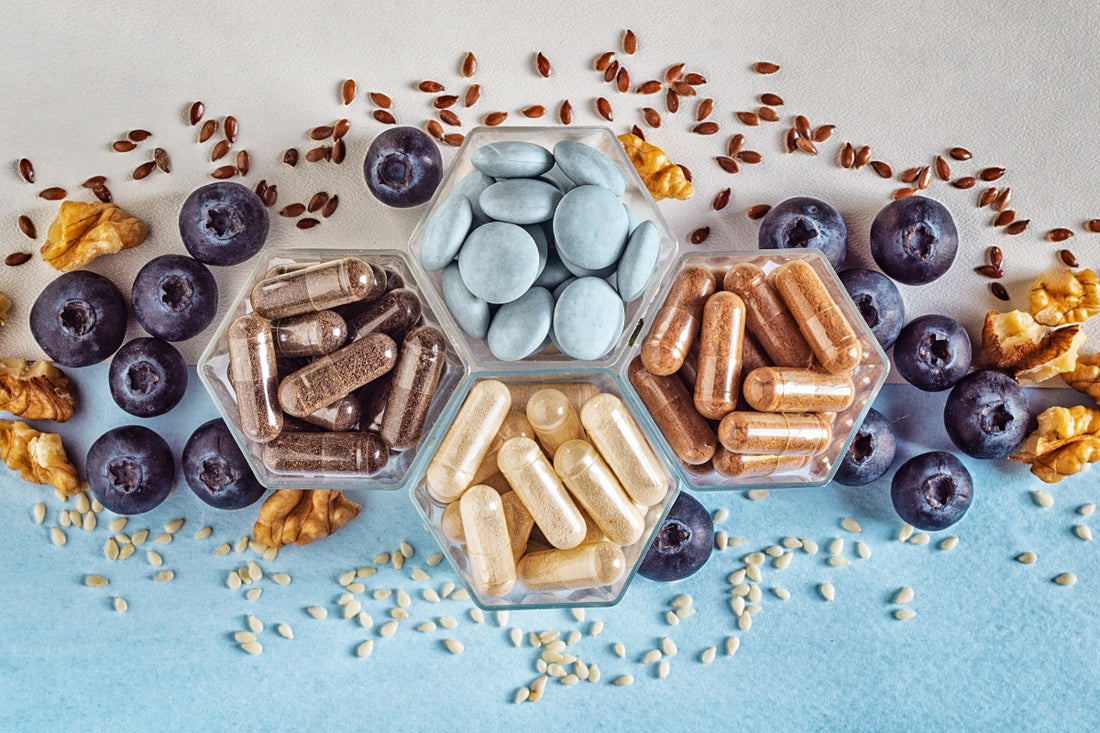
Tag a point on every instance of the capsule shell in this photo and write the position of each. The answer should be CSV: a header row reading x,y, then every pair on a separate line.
x,y
415,379
338,417
253,374
394,313
577,392
822,322
587,566
740,465
330,377
520,522
515,424
596,489
788,389
717,383
677,322
670,405
775,433
620,442
536,483
324,453
317,288
767,317
488,547
464,446
553,418
309,334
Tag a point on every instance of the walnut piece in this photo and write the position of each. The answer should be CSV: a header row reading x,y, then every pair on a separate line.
x,y
1015,343
661,176
1085,377
84,231
300,516
1066,442
38,457
5,306
38,391
1063,296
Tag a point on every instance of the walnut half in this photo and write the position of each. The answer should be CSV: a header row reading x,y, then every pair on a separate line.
x,y
84,231
1063,296
1066,442
661,176
1030,352
301,516
38,391
38,457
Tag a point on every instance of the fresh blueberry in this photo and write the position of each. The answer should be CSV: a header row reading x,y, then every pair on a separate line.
x,y
878,301
223,223
130,469
216,470
147,377
932,352
805,222
914,240
683,542
174,297
403,167
870,453
987,414
932,491
79,318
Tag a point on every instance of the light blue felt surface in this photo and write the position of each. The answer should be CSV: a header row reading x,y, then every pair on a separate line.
x,y
994,645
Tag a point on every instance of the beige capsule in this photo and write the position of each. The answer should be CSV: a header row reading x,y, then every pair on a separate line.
x,y
822,322
488,546
740,465
536,483
678,321
586,566
554,419
617,437
787,389
766,316
577,392
515,424
520,523
463,448
775,433
596,489
718,371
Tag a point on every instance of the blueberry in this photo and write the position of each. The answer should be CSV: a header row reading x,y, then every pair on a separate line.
x,y
932,491
870,453
147,377
987,414
223,223
878,301
130,469
216,470
79,318
805,222
914,240
174,297
932,352
683,542
403,167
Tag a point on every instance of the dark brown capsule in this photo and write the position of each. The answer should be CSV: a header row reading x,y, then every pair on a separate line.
x,y
469,64
93,181
292,210
380,100
648,87
533,111
1017,227
1059,235
651,116
672,101
198,109
735,145
758,211
985,198
443,101
996,256
347,91
429,86
103,193
383,116
123,146
341,128
15,259
991,174
611,71
316,201
271,195
772,100
565,112
1068,258
339,151
847,156
330,206
1004,218
721,199
959,154
244,162
26,170
207,130
603,60
699,235
434,129
674,73
1092,225
703,109
307,223
139,135
965,182
990,271
231,128
806,145
622,80
223,172
765,67
767,114
454,139
998,290
221,148
822,133
494,119
160,157
903,193
943,169
751,157
604,108
863,156
882,169
706,128
27,226
449,118
473,93
802,124
321,132
53,193
749,118
637,132
630,42
728,164
323,152
290,157
542,65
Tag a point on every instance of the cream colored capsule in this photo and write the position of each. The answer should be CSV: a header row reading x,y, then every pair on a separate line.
x,y
577,392
487,544
533,478
819,318
617,437
450,523
586,566
515,424
739,465
553,418
790,389
462,449
597,490
520,522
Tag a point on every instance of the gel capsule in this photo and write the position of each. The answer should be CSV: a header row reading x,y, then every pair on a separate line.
x,y
324,453
677,322
718,373
775,433
309,334
254,376
597,490
533,478
670,405
822,322
766,317
319,287
338,417
372,400
415,379
340,373
587,566
515,424
577,392
553,418
488,547
740,465
621,443
520,523
787,389
467,441
392,314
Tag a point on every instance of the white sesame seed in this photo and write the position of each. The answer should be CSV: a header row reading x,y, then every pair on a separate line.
x,y
619,649
593,672
429,595
540,665
903,596
733,643
174,525
382,558
754,558
57,536
741,589
65,519
905,532
521,695
516,635
580,669
1026,558
317,612
573,638
204,532
736,577
253,647
827,592
755,593
346,578
836,546
624,680
595,628
117,524
1086,510
752,572
403,599
139,537
757,494
781,593
81,503
39,513
737,605
476,615
125,551
904,614
352,608
244,637
460,595
682,601
663,669
863,550
95,581
446,589
233,581
364,649
97,507
555,670
426,628
285,631
809,547
447,622
537,687
1042,498
222,549
258,547
791,543
434,559
397,560
1066,579
110,549
388,629
708,655
555,646
683,613
737,541
365,619
773,551
154,558
419,575
721,515
163,538
671,618
1083,531
120,604
281,578
851,525
570,679
345,599
839,561
164,576
753,609
381,594
721,540
577,614
399,613
89,522
502,618
668,647
355,587
920,538
744,621
365,572
454,646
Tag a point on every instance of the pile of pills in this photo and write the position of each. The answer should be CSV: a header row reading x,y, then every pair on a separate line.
x,y
543,486
745,373
331,371
535,247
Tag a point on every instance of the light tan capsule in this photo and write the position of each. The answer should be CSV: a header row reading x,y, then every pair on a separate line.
x,y
515,424
467,441
586,566
621,443
577,392
487,544
775,433
718,371
533,478
767,318
823,324
554,419
677,322
792,389
599,493
740,465
520,523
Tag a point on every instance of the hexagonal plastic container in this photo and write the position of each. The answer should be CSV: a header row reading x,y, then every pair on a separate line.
x,y
868,376
637,197
579,384
214,362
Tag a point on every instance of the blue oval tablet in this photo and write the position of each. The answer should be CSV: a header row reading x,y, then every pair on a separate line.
x,y
587,166
538,234
638,262
469,311
590,227
579,271
520,200
519,328
498,261
512,159
444,232
588,318
554,272
471,186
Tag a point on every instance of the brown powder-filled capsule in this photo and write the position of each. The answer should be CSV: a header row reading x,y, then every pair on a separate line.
x,y
319,287
392,314
309,334
775,433
328,378
739,465
671,407
554,419
822,322
372,401
589,565
788,389
677,322
767,318
338,417
415,379
719,369
253,373
322,453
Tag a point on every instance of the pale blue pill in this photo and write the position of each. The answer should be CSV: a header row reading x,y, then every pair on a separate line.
x,y
588,318
519,328
554,272
584,165
590,227
444,232
471,186
520,200
498,262
469,311
538,233
631,219
512,159
639,260
557,293
579,271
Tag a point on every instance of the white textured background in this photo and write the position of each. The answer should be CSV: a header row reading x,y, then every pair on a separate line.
x,y
1014,83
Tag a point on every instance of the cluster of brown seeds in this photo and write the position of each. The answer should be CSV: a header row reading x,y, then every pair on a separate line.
x,y
230,128
320,203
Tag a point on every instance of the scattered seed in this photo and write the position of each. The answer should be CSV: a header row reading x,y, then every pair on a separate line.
x,y
708,655
533,111
765,67
1065,579
827,592
319,153
706,128
17,258
728,164
920,538
1086,510
477,616
651,116
388,629
847,156
1003,198
164,576
53,193
1068,258
429,86
1083,531
683,88
307,223
990,174
292,210
882,169
347,92
123,146
460,595
317,612
959,154
57,536
903,193
383,116
154,558
751,157
989,271
495,118
909,175
998,291
604,108
125,551
758,211
244,162
231,128
207,130
95,581
904,614
822,133
143,170
469,64
1004,218
924,178
767,114
454,646
1092,225
1017,227
1026,558
704,108
806,145
721,199
624,680
223,172
363,650
748,118
565,112
851,525
26,170
699,235
648,87
757,494
672,101
838,561
630,42
904,595
321,132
